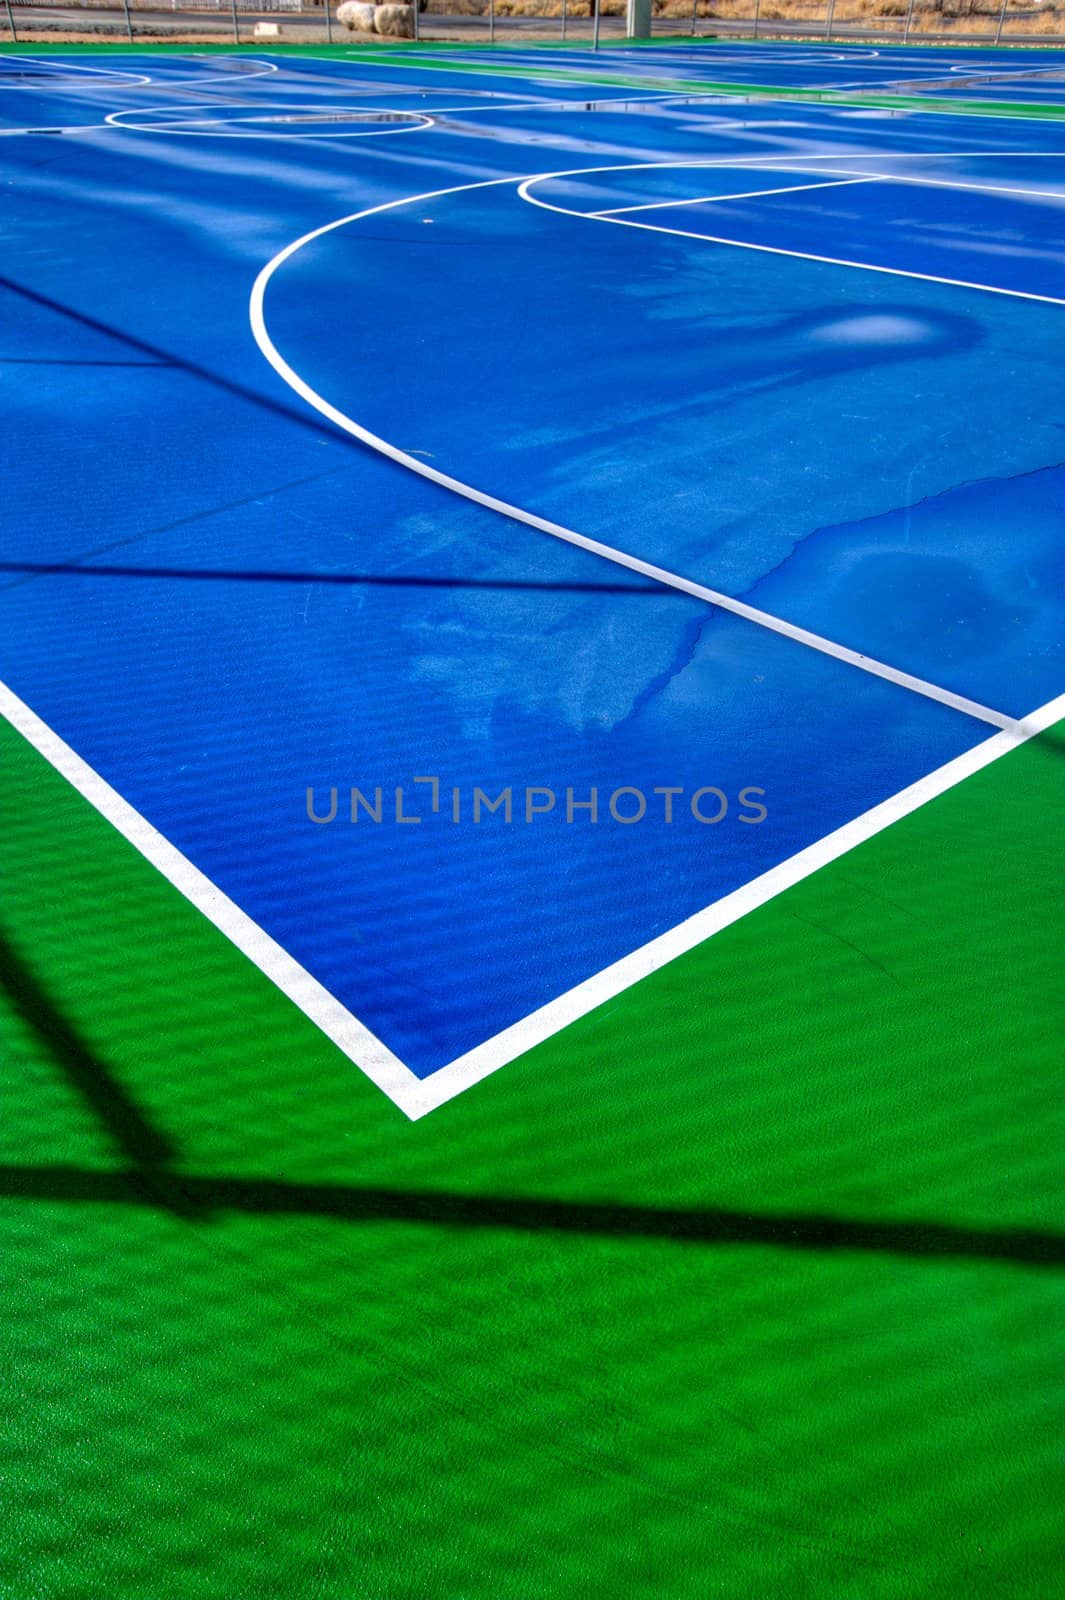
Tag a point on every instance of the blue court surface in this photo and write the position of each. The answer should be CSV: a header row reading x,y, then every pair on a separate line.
x,y
520,422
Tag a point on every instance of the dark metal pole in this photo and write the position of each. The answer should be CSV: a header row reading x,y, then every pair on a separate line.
x,y
563,18
129,20
909,23
491,21
11,22
757,9
1001,22
236,29
695,7
595,24
329,22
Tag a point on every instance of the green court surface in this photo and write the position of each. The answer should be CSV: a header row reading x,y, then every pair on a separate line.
x,y
747,1285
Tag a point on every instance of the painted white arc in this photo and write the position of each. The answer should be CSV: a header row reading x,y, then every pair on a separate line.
x,y
647,569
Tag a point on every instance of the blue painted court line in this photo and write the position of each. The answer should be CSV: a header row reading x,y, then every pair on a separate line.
x,y
219,600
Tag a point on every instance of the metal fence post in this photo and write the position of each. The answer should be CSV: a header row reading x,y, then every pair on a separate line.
x,y
757,9
595,24
563,18
909,23
829,15
129,20
329,22
491,21
236,29
1001,22
11,22
695,7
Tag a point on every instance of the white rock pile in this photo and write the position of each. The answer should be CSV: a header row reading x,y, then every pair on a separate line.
x,y
359,17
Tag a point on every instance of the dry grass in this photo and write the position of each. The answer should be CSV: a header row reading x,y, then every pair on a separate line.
x,y
929,16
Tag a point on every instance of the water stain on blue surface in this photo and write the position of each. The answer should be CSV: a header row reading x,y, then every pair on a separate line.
x,y
963,588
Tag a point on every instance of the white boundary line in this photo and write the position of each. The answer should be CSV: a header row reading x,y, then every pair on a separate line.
x,y
350,1035
854,175
606,985
977,188
414,1096
749,194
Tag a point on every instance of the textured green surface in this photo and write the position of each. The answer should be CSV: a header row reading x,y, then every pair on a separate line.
x,y
748,1285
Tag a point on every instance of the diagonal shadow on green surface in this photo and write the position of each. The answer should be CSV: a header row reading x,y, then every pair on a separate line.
x,y
704,1226
68,1039
143,1145
149,1180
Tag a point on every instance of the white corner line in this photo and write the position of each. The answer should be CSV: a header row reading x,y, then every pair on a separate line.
x,y
750,194
577,1002
621,558
414,1096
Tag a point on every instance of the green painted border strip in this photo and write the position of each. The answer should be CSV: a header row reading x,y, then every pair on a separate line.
x,y
745,91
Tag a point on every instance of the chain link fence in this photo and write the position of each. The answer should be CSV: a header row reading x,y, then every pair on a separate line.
x,y
1019,22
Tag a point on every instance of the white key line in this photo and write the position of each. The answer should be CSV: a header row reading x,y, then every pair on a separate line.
x,y
749,194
